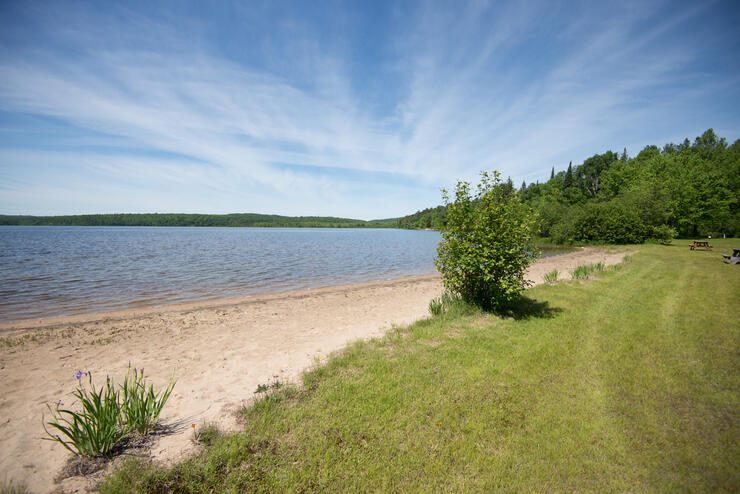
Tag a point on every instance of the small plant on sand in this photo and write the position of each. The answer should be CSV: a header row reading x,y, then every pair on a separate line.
x,y
273,386
12,487
94,431
108,414
440,305
552,276
206,434
140,405
435,306
627,258
581,272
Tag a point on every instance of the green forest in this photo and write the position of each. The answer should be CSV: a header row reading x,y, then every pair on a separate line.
x,y
679,190
180,219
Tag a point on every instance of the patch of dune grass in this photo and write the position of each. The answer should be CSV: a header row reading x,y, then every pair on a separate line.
x,y
625,383
552,276
12,487
584,271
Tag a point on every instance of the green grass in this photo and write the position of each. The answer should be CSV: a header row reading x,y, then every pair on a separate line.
x,y
12,487
552,276
140,406
625,383
584,271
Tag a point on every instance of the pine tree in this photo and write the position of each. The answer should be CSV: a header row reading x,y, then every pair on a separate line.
x,y
524,186
552,172
568,181
508,186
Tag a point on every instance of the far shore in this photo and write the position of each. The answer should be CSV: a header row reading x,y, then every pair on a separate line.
x,y
220,351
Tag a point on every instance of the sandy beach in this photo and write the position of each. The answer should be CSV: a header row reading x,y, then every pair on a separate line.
x,y
219,351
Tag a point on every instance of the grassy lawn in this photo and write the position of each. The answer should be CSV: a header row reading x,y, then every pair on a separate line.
x,y
627,382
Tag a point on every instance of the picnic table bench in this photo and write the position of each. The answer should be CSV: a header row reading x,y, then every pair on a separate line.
x,y
734,258
700,244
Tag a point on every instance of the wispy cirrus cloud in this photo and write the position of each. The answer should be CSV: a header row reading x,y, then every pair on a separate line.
x,y
294,124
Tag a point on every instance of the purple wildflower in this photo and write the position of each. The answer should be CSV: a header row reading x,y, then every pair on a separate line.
x,y
79,374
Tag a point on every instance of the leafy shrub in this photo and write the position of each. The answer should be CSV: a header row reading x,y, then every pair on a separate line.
x,y
141,406
486,244
97,429
549,214
665,234
608,222
552,276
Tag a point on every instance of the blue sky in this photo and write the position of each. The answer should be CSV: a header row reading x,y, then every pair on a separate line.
x,y
353,109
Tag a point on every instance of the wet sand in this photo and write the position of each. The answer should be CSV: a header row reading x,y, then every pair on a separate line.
x,y
219,351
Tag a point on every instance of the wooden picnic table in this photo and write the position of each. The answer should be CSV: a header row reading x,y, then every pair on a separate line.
x,y
700,244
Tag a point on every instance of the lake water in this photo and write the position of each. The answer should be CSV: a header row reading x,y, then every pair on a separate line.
x,y
55,271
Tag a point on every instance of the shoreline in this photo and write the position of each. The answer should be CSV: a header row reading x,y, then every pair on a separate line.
x,y
220,351
139,312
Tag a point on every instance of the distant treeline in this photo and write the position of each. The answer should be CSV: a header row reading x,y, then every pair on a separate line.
x,y
177,219
434,218
687,189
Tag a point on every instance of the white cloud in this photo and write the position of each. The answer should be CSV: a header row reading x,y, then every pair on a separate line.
x,y
472,100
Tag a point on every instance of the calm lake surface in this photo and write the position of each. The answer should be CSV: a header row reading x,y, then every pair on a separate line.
x,y
56,271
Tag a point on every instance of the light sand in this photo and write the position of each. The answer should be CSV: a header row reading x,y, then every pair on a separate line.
x,y
219,352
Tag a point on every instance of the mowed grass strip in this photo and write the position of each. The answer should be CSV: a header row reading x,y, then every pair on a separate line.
x,y
628,382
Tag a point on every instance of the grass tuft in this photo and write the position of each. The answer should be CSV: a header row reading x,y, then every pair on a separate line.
x,y
206,434
584,271
108,414
581,272
552,276
94,431
13,487
141,406
440,305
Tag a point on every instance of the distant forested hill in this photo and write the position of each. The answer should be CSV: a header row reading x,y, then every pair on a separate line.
x,y
236,220
428,218
687,189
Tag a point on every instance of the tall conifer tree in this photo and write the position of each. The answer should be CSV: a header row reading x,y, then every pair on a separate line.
x,y
568,181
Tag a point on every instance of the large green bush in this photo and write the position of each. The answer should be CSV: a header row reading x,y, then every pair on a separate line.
x,y
487,243
607,222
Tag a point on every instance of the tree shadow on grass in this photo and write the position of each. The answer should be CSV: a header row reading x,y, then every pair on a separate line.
x,y
527,308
